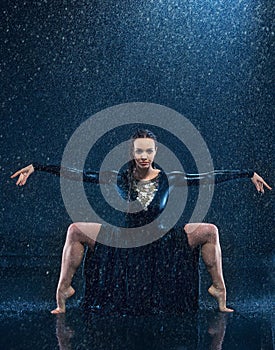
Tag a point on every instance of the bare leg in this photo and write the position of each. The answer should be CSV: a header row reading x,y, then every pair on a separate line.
x,y
217,330
64,333
207,236
78,234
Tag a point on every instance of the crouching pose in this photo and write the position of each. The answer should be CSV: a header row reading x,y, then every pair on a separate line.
x,y
142,182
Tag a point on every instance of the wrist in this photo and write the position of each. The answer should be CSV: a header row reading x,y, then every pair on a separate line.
x,y
250,173
36,166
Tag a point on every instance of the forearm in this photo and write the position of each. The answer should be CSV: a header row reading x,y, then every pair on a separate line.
x,y
52,169
77,175
213,177
69,173
228,175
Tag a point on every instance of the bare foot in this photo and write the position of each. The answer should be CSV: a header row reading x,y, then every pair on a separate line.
x,y
220,296
61,297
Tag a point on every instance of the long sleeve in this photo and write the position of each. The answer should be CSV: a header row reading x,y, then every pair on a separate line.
x,y
77,175
213,177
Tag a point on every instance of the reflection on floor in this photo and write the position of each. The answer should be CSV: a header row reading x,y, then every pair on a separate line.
x,y
208,329
26,323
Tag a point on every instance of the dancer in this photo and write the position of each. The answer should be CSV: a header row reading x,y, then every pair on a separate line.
x,y
142,173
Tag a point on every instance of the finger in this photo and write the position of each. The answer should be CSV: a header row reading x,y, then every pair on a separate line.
x,y
261,187
261,180
23,170
19,172
24,180
19,180
257,186
16,174
266,185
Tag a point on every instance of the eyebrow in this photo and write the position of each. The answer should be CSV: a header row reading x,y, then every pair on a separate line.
x,y
141,149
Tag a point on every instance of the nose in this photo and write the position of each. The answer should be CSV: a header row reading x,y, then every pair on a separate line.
x,y
144,155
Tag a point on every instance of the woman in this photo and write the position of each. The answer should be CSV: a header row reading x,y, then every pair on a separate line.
x,y
131,183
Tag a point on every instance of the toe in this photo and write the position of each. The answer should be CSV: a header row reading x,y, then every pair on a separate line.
x,y
57,311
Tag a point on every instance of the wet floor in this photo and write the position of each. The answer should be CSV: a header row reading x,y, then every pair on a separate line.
x,y
209,329
26,323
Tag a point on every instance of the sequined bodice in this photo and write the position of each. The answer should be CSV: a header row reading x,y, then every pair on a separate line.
x,y
145,190
146,198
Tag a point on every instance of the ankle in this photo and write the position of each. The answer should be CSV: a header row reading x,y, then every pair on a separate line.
x,y
218,286
63,287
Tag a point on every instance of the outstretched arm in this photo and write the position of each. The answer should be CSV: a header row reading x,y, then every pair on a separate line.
x,y
215,177
70,173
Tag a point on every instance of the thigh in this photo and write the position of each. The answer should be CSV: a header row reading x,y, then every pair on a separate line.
x,y
199,233
87,232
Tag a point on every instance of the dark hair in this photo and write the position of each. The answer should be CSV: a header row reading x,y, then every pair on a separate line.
x,y
144,133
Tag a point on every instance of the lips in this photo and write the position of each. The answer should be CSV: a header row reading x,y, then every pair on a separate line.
x,y
144,163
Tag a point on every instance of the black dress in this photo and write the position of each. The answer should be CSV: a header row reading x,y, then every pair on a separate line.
x,y
154,278
161,277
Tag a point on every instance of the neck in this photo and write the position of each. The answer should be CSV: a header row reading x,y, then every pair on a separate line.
x,y
143,173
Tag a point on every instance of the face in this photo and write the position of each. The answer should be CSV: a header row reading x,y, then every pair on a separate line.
x,y
144,152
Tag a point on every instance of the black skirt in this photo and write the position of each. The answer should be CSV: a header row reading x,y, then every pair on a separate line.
x,y
161,277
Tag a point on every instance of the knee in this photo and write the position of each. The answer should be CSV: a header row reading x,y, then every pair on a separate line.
x,y
73,232
213,233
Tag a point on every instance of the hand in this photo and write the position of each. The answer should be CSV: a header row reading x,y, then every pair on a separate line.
x,y
259,183
23,175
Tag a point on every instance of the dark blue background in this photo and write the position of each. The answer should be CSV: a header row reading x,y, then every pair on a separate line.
x,y
63,61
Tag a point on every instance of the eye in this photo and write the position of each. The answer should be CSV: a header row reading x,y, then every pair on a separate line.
x,y
150,151
138,151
